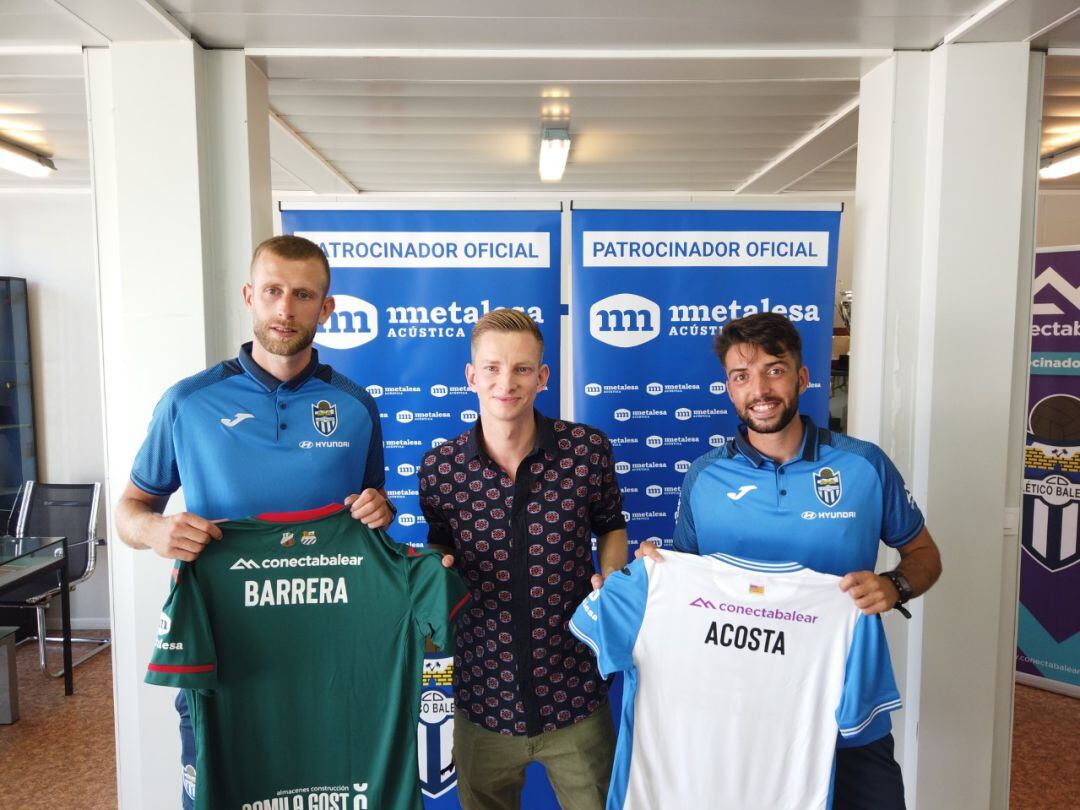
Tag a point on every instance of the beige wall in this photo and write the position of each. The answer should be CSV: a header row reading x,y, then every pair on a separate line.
x,y
47,238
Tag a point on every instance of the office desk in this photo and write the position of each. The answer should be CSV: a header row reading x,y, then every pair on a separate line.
x,y
22,558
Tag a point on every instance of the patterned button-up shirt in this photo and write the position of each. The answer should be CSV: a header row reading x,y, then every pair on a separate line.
x,y
524,548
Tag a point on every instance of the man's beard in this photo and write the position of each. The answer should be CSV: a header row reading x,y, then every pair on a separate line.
x,y
300,341
786,416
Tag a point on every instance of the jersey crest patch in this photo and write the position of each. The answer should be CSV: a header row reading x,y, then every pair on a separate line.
x,y
324,417
435,734
287,539
827,486
308,538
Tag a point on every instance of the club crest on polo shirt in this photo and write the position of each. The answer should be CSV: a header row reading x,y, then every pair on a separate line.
x,y
827,486
324,417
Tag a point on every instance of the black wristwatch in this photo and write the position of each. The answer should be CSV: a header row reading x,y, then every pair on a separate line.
x,y
903,590
393,509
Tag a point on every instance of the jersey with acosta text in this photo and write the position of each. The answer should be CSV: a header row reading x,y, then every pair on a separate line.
x,y
738,677
828,508
301,641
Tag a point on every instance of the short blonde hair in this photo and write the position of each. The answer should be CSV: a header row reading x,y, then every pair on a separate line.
x,y
506,320
293,249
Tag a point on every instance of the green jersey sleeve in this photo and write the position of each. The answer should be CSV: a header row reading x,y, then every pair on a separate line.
x,y
184,654
438,595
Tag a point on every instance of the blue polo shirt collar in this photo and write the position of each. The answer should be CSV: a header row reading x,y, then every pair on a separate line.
x,y
268,380
810,446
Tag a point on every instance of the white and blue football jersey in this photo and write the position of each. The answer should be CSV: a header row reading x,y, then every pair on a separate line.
x,y
738,677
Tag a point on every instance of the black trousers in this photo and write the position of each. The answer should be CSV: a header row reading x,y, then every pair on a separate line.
x,y
868,778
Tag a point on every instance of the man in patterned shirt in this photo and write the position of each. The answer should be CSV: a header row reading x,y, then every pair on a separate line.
x,y
516,499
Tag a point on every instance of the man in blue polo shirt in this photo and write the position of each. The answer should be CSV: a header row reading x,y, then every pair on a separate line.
x,y
273,430
787,490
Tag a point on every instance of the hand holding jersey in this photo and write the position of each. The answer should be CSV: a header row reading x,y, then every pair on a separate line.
x,y
754,665
324,620
785,489
372,508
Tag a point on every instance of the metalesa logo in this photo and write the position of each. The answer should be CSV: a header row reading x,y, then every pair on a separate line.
x,y
624,320
353,323
593,389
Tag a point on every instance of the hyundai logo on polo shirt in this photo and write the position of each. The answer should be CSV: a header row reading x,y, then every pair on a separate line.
x,y
827,486
324,416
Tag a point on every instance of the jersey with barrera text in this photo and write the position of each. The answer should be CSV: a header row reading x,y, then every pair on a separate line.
x,y
300,640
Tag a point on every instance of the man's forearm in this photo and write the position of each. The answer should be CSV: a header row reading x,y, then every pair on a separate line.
x,y
611,550
132,518
920,562
921,568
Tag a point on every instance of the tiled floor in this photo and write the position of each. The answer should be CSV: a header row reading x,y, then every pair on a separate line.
x,y
60,755
1046,751
63,747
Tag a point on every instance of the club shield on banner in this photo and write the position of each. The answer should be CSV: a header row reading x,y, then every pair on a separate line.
x,y
408,287
1048,635
650,291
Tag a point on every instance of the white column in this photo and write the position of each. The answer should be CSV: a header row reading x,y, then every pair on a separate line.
x,y
238,137
885,314
943,170
163,115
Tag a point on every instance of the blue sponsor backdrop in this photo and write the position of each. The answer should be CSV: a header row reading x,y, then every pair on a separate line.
x,y
408,286
650,289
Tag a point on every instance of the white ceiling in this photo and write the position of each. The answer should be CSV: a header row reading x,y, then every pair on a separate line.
x,y
718,95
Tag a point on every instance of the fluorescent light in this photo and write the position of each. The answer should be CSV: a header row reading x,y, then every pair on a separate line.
x,y
554,148
23,161
1061,165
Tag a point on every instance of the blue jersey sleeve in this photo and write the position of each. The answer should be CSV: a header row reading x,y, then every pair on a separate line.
x,y
155,470
685,537
609,619
901,519
375,471
869,686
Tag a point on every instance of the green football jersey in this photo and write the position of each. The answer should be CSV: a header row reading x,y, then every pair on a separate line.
x,y
301,641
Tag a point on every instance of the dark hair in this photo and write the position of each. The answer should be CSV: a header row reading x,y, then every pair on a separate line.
x,y
767,330
293,248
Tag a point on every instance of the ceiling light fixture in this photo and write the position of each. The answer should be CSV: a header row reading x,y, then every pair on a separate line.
x,y
22,161
1060,165
554,149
